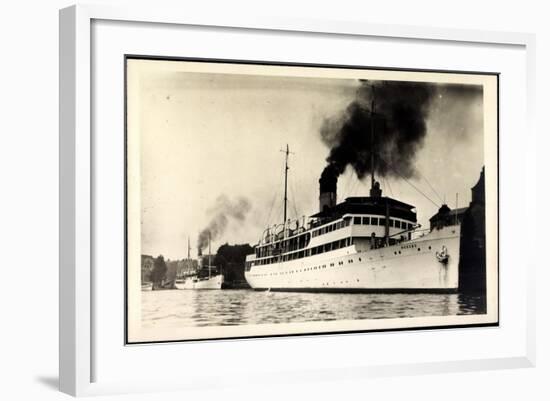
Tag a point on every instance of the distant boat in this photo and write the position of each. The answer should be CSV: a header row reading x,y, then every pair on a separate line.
x,y
212,282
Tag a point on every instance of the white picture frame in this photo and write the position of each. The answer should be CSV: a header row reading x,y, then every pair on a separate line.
x,y
80,344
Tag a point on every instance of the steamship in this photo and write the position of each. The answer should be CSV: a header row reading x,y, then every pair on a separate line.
x,y
363,244
213,281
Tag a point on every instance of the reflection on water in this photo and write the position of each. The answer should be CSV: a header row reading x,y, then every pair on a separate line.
x,y
191,308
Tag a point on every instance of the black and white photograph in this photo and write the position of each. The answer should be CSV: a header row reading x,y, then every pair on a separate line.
x,y
272,200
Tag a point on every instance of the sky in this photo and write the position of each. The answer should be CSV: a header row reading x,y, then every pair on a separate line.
x,y
212,135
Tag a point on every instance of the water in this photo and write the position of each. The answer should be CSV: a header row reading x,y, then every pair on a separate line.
x,y
191,308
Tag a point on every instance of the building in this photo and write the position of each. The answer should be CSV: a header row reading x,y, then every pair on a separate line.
x,y
472,265
186,267
147,263
447,217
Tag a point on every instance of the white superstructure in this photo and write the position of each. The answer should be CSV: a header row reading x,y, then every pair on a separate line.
x,y
206,283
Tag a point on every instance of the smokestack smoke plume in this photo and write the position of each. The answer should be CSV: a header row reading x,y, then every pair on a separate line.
x,y
222,213
401,109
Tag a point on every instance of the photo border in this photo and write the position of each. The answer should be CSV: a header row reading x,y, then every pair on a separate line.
x,y
307,65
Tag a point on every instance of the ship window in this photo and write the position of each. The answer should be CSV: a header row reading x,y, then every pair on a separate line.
x,y
409,226
357,220
381,222
391,222
374,221
366,221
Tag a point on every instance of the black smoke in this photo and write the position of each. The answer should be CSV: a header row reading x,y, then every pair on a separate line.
x,y
399,122
223,211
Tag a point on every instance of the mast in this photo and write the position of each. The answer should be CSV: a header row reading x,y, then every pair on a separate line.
x,y
209,257
372,138
188,263
456,210
286,182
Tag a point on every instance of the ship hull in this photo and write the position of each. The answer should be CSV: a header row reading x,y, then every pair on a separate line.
x,y
212,283
411,266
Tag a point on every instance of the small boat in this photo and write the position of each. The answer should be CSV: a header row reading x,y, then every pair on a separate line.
x,y
443,256
211,282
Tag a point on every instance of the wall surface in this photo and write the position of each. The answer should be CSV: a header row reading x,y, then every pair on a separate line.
x,y
29,200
